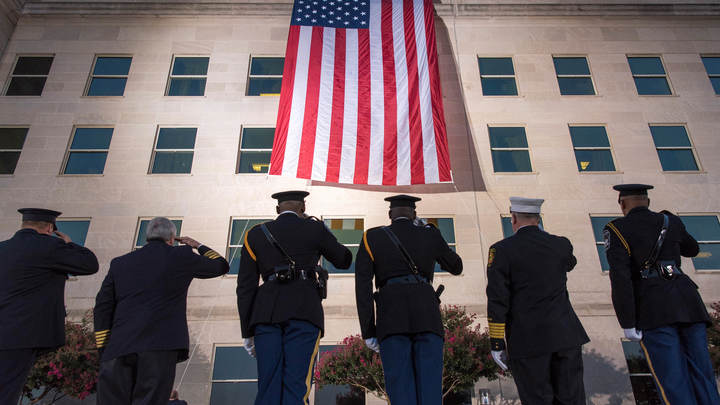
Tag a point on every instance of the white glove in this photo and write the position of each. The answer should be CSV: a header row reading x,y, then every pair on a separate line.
x,y
500,357
633,334
249,344
373,344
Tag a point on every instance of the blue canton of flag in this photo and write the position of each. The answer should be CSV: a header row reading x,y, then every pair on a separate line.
x,y
332,13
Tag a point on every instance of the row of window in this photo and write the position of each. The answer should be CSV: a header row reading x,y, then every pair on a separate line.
x,y
173,150
188,75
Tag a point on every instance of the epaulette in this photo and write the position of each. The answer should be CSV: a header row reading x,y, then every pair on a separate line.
x,y
247,245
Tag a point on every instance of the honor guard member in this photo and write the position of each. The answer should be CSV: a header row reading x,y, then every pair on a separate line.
x,y
140,315
656,302
401,258
528,306
282,320
34,265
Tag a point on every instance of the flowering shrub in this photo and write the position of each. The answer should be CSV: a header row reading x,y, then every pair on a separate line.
x,y
713,333
466,358
70,371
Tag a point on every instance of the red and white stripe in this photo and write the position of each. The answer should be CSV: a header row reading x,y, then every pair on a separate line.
x,y
364,106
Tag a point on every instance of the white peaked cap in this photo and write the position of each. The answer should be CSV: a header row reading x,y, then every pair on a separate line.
x,y
525,205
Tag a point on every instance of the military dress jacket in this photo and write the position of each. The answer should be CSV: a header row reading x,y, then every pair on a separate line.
x,y
401,308
653,302
33,270
305,240
141,305
527,293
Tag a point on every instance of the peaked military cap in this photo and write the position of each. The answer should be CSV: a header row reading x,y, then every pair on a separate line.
x,y
402,200
524,205
632,189
290,196
39,214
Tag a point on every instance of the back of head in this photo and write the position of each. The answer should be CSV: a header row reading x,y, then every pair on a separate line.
x,y
161,228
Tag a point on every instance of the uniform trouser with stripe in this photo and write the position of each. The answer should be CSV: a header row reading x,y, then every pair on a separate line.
x,y
550,379
286,354
680,362
15,366
413,367
144,378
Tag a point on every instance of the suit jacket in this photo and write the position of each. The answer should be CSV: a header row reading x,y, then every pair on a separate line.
x,y
33,270
652,302
305,240
401,308
527,292
141,305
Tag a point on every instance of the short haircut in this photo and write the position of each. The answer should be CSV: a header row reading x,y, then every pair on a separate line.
x,y
161,228
527,216
35,224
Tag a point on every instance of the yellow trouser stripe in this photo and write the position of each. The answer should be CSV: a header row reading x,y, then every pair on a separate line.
x,y
367,247
652,370
247,246
617,232
308,379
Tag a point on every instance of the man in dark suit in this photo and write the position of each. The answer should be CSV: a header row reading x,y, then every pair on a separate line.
x,y
282,320
408,327
528,301
656,302
34,265
140,315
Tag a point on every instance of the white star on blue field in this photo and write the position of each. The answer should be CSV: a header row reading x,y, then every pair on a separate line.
x,y
332,13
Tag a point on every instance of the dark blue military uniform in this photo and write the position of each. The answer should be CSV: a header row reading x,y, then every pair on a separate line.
x,y
140,320
408,323
285,318
33,270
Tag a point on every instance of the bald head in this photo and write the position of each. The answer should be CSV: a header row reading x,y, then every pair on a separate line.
x,y
628,202
397,212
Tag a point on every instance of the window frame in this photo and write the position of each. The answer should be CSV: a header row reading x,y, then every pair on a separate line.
x,y
588,76
92,76
631,374
154,150
666,75
691,148
241,150
610,148
437,270
12,69
27,127
230,246
148,218
601,242
349,216
68,151
710,242
78,219
710,76
250,77
514,77
171,76
530,157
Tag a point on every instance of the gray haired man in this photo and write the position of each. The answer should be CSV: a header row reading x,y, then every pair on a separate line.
x,y
140,315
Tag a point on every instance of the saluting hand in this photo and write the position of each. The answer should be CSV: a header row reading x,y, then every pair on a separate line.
x,y
185,240
63,236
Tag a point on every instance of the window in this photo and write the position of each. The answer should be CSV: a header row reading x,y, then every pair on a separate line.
x,y
265,76
234,377
76,229
649,75
706,230
349,232
88,151
29,76
592,149
641,378
509,149
447,230
598,224
188,76
141,234
573,75
497,77
506,222
712,66
337,394
173,151
109,76
674,148
255,149
238,228
11,143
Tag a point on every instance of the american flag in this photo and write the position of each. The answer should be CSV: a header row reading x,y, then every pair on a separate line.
x,y
360,100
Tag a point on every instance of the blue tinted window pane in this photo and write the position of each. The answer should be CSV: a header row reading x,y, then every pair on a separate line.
x,y
264,86
254,162
594,161
598,224
677,160
233,363
12,138
496,66
142,232
91,138
257,138
506,226
446,227
172,162
233,393
702,227
267,66
176,138
576,86
652,86
604,265
511,161
646,66
347,231
8,162
507,137
670,136
103,86
495,86
234,256
86,163
240,227
716,84
76,230
190,66
589,137
112,66
571,66
332,269
437,268
708,258
712,64
187,87
635,357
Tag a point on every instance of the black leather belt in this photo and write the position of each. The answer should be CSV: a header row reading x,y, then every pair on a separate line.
x,y
409,279
655,272
295,275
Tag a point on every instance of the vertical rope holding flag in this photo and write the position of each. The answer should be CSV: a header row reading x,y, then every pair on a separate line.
x,y
361,100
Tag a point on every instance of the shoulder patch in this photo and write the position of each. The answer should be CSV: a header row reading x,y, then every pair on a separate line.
x,y
491,256
606,238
